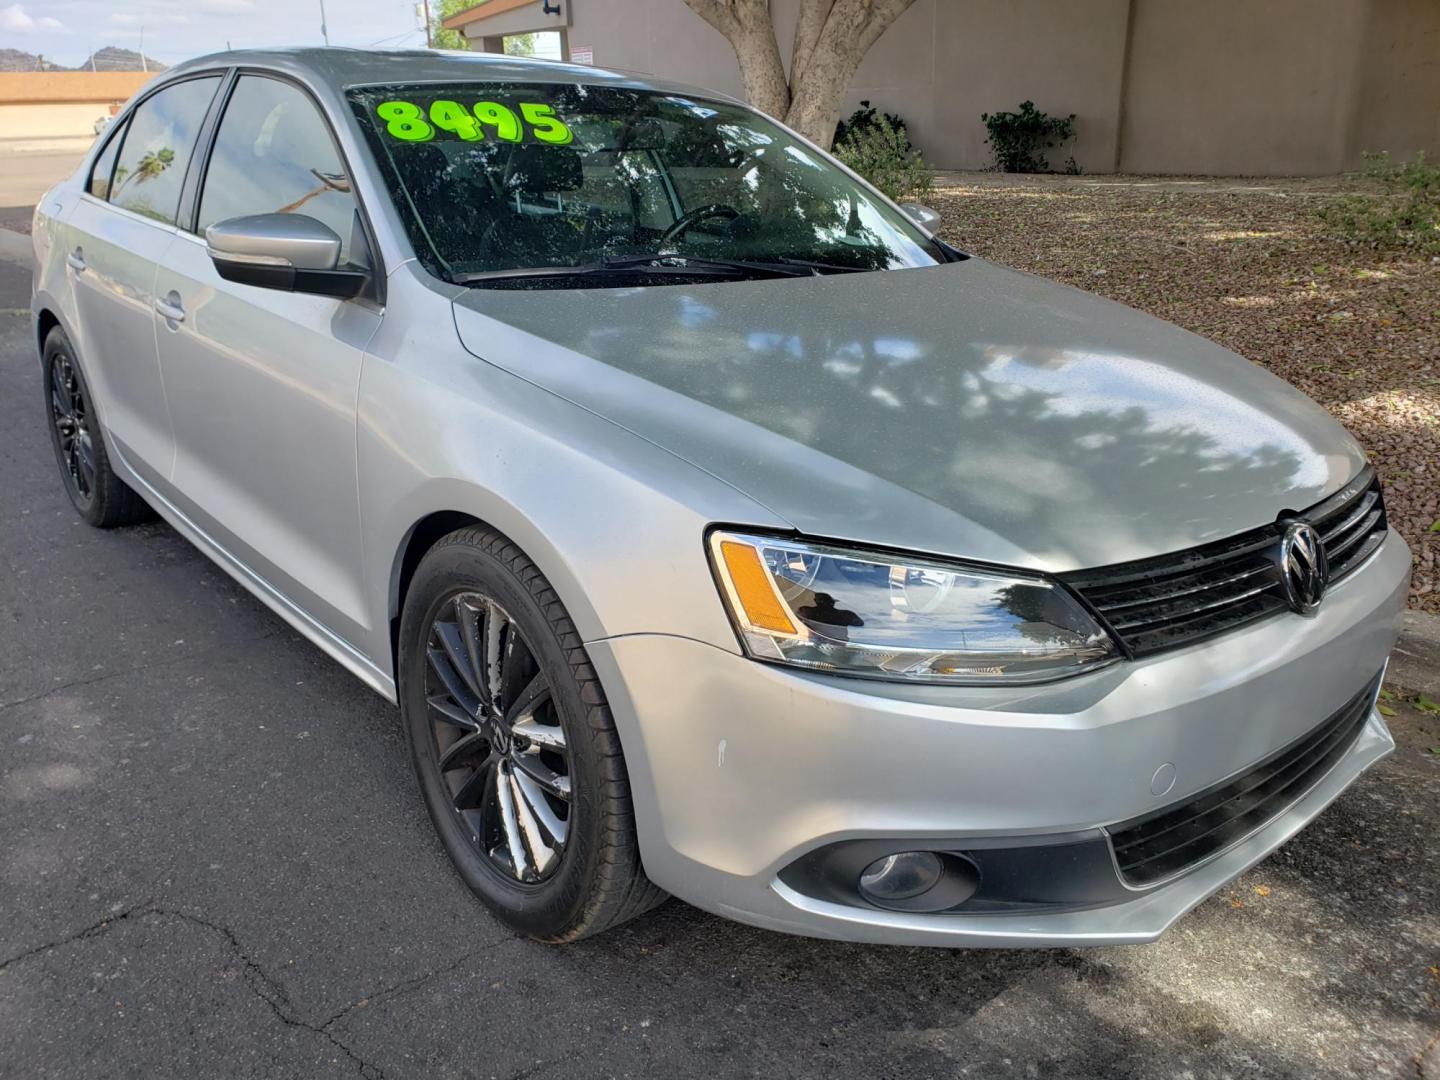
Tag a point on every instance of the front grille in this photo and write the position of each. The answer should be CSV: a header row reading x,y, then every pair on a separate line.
x,y
1168,601
1151,848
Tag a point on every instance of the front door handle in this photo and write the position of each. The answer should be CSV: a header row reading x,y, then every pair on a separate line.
x,y
170,308
76,259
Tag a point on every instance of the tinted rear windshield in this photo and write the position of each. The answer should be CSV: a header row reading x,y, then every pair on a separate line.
x,y
511,176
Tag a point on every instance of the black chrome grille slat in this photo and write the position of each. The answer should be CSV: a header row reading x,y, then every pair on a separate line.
x,y
1174,600
1157,846
1178,611
1108,604
1330,531
1358,556
1336,550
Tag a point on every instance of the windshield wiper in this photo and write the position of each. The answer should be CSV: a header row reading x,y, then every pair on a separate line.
x,y
660,262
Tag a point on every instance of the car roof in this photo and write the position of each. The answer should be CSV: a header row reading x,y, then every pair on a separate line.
x,y
339,68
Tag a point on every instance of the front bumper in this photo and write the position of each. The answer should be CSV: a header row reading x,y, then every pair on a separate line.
x,y
739,768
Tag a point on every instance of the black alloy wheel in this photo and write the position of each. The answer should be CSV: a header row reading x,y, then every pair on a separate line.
x,y
498,742
514,745
94,488
70,414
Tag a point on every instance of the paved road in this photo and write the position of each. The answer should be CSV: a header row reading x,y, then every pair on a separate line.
x,y
215,863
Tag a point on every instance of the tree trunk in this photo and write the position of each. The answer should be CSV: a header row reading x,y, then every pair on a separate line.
x,y
746,25
831,38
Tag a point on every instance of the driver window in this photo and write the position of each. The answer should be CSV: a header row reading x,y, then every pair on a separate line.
x,y
274,155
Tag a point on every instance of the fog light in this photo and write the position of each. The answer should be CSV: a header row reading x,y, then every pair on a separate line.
x,y
902,876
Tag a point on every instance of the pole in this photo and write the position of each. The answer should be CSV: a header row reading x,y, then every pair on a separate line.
x,y
143,65
324,30
429,43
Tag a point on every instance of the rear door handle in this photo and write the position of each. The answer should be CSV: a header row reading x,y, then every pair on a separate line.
x,y
76,259
170,308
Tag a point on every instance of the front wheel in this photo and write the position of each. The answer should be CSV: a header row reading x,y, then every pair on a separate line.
x,y
513,744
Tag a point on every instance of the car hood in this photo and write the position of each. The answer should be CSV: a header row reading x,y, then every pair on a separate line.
x,y
962,409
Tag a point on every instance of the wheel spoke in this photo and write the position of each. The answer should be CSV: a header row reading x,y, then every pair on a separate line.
x,y
546,777
519,860
451,712
541,853
545,736
495,620
454,684
472,793
85,453
452,641
557,828
510,664
524,704
463,750
58,404
468,617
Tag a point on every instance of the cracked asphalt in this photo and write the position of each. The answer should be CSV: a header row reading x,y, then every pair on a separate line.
x,y
215,863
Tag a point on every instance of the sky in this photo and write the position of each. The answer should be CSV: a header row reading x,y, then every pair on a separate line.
x,y
66,31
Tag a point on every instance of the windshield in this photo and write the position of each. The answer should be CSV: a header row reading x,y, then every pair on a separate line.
x,y
511,177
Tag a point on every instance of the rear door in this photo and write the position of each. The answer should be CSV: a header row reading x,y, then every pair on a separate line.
x,y
116,235
262,383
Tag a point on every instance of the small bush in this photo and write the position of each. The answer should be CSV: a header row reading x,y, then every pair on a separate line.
x,y
865,118
882,153
1019,139
1403,216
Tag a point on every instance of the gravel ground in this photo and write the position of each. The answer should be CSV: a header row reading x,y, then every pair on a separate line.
x,y
1249,265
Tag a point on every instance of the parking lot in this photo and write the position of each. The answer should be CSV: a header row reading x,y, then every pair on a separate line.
x,y
215,862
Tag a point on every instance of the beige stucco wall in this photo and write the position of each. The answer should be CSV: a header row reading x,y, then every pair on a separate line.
x,y
1258,87
51,104
45,121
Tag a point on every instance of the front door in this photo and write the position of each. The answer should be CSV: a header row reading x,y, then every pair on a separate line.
x,y
262,383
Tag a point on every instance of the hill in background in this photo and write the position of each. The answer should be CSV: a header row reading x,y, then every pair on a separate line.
x,y
113,58
110,58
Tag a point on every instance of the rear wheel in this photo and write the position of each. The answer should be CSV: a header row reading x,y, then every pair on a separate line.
x,y
513,743
101,497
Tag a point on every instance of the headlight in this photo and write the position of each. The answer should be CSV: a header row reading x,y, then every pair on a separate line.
x,y
885,616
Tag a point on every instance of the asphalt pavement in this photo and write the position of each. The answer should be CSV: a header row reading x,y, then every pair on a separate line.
x,y
215,863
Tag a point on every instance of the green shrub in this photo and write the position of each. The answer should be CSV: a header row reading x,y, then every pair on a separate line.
x,y
865,118
1403,216
882,154
1019,140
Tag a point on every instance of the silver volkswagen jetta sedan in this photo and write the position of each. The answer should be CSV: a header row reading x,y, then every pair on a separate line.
x,y
717,529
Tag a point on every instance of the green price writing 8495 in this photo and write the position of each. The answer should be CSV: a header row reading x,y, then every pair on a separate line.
x,y
408,122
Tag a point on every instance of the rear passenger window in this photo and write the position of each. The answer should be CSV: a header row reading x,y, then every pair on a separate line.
x,y
158,146
99,184
273,154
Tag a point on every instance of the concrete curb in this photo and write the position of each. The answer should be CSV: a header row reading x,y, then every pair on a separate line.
x,y
1415,663
56,144
16,247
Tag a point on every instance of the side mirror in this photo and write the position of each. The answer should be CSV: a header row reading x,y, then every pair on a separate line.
x,y
927,219
289,252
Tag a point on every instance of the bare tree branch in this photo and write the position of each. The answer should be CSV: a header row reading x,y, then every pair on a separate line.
x,y
831,38
750,31
808,25
718,13
851,27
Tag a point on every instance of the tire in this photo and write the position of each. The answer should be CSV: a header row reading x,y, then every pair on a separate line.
x,y
97,493
481,630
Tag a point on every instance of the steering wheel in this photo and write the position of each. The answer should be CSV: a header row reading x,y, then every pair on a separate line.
x,y
689,220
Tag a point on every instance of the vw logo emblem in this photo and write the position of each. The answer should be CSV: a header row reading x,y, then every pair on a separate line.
x,y
1304,571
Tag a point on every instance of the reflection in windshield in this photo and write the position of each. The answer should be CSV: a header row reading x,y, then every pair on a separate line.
x,y
620,172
